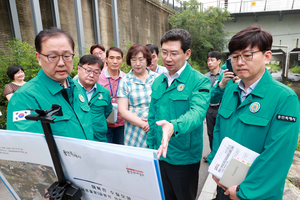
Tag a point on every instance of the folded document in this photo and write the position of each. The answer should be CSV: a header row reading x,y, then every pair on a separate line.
x,y
231,162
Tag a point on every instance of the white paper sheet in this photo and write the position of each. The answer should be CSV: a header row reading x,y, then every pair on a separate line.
x,y
230,149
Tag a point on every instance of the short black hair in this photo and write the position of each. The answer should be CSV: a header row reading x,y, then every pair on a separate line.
x,y
12,70
114,49
254,36
90,59
178,35
215,54
153,48
49,33
100,46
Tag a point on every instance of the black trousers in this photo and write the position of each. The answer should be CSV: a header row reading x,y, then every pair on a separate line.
x,y
180,182
211,116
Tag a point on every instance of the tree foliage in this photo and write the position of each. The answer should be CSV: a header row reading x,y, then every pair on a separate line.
x,y
206,29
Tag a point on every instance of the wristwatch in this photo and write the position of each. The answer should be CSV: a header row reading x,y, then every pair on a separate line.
x,y
237,188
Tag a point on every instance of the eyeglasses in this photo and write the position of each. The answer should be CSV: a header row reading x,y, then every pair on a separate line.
x,y
245,56
88,71
165,54
98,53
134,60
53,58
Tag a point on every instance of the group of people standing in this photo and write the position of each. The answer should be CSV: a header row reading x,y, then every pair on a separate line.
x,y
166,112
125,95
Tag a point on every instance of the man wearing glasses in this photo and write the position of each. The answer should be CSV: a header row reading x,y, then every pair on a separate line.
x,y
259,113
52,85
179,100
98,97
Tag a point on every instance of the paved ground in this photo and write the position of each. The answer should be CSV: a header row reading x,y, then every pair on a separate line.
x,y
5,194
203,173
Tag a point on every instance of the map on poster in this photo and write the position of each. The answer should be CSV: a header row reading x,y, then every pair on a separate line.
x,y
100,170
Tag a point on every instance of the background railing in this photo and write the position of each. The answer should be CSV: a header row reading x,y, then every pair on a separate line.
x,y
173,4
235,6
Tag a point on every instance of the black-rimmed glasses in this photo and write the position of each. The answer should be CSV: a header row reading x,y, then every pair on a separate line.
x,y
89,71
53,58
245,56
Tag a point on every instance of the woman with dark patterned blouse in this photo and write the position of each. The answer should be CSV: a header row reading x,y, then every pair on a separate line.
x,y
16,73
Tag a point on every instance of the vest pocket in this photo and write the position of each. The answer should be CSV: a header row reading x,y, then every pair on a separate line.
x,y
99,103
179,104
253,120
98,107
85,108
62,124
67,115
225,113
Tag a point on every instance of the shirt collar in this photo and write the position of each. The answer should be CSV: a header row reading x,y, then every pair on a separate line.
x,y
68,84
177,74
263,84
53,86
251,87
107,75
93,89
132,76
217,74
157,68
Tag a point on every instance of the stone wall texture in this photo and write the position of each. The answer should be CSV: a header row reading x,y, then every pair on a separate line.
x,y
140,21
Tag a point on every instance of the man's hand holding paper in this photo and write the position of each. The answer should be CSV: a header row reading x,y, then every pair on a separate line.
x,y
231,191
217,180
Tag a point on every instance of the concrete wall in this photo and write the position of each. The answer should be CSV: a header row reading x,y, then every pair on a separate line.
x,y
5,31
142,21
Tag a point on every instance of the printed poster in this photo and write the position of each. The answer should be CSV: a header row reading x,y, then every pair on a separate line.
x,y
100,170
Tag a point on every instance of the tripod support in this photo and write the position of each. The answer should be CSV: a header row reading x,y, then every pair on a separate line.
x,y
62,189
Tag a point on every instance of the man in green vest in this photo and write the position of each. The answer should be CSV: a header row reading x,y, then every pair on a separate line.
x,y
52,85
97,96
179,101
259,113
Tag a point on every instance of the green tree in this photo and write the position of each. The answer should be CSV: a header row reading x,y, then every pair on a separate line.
x,y
206,29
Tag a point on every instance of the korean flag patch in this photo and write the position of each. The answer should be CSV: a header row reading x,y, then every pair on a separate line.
x,y
20,115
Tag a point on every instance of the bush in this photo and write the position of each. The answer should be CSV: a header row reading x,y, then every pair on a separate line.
x,y
23,54
199,67
274,67
296,69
